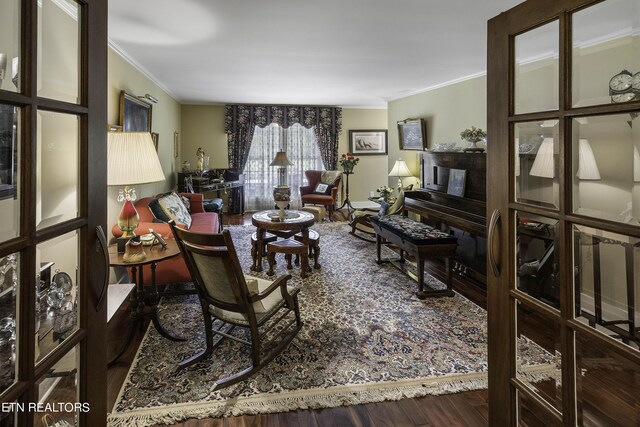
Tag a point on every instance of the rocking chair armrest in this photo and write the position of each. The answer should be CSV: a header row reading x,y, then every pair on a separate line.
x,y
280,282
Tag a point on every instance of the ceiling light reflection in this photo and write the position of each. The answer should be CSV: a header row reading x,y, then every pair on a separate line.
x,y
159,22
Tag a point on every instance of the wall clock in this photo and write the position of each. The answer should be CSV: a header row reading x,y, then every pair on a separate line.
x,y
635,84
621,87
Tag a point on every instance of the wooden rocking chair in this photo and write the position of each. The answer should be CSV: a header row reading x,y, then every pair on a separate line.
x,y
226,294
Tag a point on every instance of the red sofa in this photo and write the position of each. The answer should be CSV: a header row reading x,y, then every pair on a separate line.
x,y
173,270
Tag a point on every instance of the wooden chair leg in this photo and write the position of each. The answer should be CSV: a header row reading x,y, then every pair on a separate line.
x,y
271,256
288,257
304,268
254,256
316,256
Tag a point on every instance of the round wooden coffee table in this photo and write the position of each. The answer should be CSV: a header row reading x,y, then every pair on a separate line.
x,y
295,222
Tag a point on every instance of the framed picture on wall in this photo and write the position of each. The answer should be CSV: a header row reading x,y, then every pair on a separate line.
x,y
368,142
176,144
412,134
135,114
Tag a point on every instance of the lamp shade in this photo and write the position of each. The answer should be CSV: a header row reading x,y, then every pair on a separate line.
x,y
281,160
543,165
400,169
587,166
132,159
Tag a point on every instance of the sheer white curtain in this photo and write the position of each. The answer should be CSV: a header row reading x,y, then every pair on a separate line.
x,y
259,178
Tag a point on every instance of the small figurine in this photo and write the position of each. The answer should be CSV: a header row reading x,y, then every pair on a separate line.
x,y
200,155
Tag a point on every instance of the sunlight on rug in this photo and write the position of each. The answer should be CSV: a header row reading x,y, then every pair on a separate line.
x,y
366,338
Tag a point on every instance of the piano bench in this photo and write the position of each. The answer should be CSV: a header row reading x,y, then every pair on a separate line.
x,y
419,240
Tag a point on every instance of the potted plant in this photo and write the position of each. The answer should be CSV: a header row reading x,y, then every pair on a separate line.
x,y
348,162
473,135
385,192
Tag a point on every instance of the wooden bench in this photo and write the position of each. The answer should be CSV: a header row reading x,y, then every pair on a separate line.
x,y
419,240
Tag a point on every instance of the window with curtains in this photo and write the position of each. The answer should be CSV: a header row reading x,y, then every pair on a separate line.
x,y
302,150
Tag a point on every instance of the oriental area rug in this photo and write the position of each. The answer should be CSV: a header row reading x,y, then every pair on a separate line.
x,y
366,338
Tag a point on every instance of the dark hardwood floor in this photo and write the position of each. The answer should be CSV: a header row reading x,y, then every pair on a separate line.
x,y
460,409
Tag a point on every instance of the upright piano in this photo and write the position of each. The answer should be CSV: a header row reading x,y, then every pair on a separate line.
x,y
459,209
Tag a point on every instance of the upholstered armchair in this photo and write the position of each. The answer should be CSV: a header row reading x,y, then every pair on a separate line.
x,y
309,195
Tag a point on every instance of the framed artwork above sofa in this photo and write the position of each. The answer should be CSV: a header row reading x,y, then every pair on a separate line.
x,y
135,114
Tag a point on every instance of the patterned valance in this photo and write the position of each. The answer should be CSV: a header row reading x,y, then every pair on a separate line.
x,y
240,120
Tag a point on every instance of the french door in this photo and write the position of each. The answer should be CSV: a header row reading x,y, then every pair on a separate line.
x,y
564,209
53,62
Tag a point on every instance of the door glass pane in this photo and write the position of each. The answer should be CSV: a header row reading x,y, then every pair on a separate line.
x,y
607,386
58,169
9,417
59,50
536,165
9,271
606,287
9,45
536,69
538,339
58,389
9,171
57,306
606,53
537,261
606,167
529,416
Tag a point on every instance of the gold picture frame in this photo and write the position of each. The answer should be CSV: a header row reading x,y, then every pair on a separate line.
x,y
155,137
135,114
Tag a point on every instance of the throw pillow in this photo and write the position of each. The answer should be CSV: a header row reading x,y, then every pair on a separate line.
x,y
324,189
187,202
168,207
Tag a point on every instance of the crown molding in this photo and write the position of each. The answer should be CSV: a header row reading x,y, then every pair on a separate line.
x,y
118,50
441,85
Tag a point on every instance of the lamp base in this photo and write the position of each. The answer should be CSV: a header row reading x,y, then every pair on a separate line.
x,y
282,196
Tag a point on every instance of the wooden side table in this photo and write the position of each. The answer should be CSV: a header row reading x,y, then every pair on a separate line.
x,y
140,297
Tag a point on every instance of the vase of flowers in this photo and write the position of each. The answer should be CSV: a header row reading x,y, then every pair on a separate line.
x,y
348,162
385,192
473,135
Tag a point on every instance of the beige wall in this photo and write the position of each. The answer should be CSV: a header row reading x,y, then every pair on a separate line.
x,y
447,110
165,121
371,171
203,126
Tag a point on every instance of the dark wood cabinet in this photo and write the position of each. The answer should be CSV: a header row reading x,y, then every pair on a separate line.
x,y
463,216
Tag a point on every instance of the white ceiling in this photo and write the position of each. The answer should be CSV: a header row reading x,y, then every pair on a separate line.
x,y
352,53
